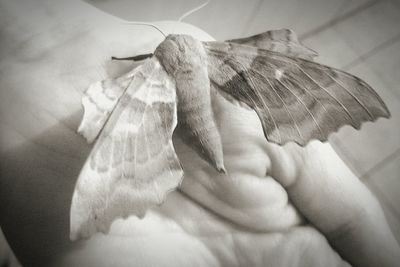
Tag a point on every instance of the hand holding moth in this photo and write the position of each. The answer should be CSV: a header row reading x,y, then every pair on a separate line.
x,y
296,100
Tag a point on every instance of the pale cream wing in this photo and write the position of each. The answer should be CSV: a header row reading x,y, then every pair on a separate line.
x,y
99,100
133,164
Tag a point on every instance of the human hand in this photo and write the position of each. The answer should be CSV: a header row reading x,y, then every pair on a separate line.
x,y
241,219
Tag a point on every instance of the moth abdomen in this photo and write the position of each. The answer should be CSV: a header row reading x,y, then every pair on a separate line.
x,y
185,59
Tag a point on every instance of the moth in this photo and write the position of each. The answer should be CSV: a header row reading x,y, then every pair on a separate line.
x,y
133,164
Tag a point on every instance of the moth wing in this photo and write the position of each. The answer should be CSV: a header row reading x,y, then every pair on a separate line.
x,y
133,164
284,41
99,101
296,99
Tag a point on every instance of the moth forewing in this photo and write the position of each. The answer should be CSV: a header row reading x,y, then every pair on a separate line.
x,y
283,41
133,164
99,101
297,100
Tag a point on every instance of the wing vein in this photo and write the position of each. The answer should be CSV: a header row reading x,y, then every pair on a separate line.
x,y
169,144
323,88
276,93
286,108
309,92
141,122
263,103
352,95
301,101
315,98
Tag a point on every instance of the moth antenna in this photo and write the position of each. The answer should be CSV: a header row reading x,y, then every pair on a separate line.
x,y
146,24
193,10
135,58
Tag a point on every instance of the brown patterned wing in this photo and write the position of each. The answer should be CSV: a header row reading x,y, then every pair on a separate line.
x,y
283,41
133,164
296,99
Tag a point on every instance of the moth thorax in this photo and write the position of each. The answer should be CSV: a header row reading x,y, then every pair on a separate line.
x,y
184,59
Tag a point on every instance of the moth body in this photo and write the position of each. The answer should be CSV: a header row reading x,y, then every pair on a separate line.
x,y
185,59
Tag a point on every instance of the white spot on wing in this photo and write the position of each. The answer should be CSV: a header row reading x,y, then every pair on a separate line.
x,y
278,74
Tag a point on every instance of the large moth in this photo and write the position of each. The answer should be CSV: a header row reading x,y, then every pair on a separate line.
x,y
133,164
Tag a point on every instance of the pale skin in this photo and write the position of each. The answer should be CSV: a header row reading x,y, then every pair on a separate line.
x,y
279,206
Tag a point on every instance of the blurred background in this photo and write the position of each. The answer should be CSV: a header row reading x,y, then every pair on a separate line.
x,y
359,36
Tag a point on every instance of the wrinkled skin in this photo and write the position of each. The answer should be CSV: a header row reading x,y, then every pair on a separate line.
x,y
279,206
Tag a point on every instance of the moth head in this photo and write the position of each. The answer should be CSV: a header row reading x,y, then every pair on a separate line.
x,y
178,51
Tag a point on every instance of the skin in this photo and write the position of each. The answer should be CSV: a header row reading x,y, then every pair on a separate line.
x,y
279,206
